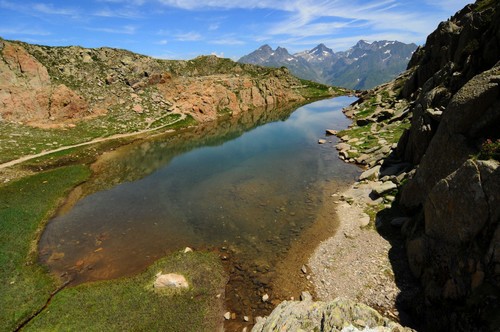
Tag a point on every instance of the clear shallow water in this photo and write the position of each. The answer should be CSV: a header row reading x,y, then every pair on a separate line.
x,y
243,187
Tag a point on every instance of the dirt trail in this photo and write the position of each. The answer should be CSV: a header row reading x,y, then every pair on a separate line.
x,y
94,141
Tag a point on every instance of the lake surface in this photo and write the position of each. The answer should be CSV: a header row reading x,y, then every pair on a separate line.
x,y
245,187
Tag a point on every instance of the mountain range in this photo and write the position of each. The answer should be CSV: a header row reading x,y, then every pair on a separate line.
x,y
362,66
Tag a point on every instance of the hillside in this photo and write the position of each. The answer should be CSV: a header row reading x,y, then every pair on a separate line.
x,y
362,67
92,93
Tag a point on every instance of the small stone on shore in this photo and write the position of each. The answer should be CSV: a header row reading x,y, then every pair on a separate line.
x,y
265,297
170,280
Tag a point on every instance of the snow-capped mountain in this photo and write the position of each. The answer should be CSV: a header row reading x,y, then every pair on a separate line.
x,y
363,66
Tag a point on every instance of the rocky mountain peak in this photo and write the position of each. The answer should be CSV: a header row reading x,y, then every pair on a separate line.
x,y
265,48
363,66
322,50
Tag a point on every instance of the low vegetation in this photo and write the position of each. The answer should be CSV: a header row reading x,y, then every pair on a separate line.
x,y
132,303
24,206
125,304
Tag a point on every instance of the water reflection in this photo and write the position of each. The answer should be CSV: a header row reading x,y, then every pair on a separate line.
x,y
240,186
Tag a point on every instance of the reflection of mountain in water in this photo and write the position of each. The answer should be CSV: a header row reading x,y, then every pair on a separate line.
x,y
139,159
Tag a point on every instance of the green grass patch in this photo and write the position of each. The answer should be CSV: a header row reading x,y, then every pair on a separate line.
x,y
315,90
131,304
484,4
24,205
490,149
124,304
17,140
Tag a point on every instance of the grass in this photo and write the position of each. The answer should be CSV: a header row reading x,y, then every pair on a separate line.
x,y
132,304
125,304
313,90
490,149
18,140
24,205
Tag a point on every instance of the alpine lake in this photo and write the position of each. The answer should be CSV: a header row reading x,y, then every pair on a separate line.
x,y
252,188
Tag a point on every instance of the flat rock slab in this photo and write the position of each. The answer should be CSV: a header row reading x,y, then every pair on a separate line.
x,y
171,280
383,188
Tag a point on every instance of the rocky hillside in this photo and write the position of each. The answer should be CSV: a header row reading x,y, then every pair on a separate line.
x,y
445,166
363,66
55,85
54,97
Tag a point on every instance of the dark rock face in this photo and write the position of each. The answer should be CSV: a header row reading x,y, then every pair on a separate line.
x,y
453,240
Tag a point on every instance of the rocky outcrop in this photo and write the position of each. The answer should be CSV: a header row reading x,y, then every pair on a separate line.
x,y
50,86
337,315
461,48
453,197
27,92
449,200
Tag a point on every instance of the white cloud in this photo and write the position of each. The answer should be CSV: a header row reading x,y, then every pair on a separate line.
x,y
311,18
125,30
51,10
227,41
118,13
188,36
162,42
23,31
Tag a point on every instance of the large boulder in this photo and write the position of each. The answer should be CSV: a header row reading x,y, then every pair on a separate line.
x,y
337,315
472,115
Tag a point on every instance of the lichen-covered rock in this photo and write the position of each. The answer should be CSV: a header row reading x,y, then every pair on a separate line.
x,y
337,315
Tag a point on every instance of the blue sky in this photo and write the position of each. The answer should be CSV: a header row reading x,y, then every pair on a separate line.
x,y
183,29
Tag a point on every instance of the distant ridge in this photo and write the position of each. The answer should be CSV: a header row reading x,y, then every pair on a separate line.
x,y
362,66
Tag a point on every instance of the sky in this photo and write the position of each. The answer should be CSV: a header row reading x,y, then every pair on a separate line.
x,y
184,29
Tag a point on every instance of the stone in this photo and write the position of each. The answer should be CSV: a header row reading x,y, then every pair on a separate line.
x,y
335,315
305,296
381,188
265,297
321,141
343,147
400,221
370,174
227,315
138,108
362,158
246,318
187,249
331,132
304,269
170,280
364,220
453,200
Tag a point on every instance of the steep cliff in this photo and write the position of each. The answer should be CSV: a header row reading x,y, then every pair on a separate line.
x,y
453,238
446,166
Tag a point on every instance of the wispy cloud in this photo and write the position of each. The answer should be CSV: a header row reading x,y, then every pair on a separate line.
x,y
23,31
125,30
188,36
227,41
118,13
37,8
310,18
162,42
51,10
